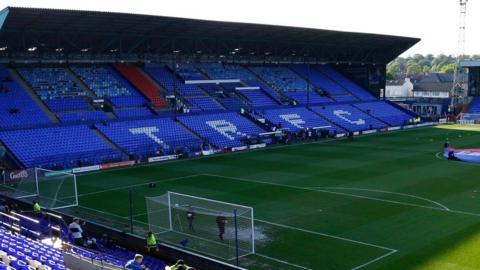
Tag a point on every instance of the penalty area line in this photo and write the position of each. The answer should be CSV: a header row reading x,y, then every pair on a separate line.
x,y
375,260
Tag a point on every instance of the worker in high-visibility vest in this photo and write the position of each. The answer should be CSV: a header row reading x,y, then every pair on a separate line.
x,y
151,243
37,209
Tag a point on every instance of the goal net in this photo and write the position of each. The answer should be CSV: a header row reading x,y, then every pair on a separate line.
x,y
214,228
52,189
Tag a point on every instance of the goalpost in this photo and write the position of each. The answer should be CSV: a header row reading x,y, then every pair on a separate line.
x,y
52,189
220,229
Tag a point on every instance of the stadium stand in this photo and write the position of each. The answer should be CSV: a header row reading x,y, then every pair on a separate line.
x,y
385,112
160,114
20,252
66,104
58,147
17,108
222,129
140,80
319,80
474,106
348,117
163,75
232,102
258,98
204,103
82,116
299,118
105,82
269,91
192,94
310,97
226,72
151,137
290,84
56,88
281,78
132,112
346,83
187,71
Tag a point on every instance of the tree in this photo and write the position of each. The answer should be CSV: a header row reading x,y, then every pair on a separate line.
x,y
414,69
390,76
394,69
450,68
426,70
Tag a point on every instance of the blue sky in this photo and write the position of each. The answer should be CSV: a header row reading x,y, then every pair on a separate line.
x,y
434,21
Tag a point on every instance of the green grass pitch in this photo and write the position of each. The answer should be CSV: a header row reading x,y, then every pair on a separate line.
x,y
384,201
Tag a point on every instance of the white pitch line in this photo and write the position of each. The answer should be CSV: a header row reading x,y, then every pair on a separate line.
x,y
325,191
374,260
346,194
282,261
138,185
388,192
323,234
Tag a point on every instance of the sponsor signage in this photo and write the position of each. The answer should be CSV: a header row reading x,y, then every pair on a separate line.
x,y
369,131
260,145
239,148
162,158
393,128
117,164
208,152
18,175
86,169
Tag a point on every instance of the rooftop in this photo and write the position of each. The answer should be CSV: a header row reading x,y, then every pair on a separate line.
x,y
76,31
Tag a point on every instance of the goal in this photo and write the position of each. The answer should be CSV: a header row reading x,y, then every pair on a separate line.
x,y
52,189
220,229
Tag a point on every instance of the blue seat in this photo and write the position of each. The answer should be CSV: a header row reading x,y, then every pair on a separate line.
x,y
385,112
17,108
86,116
151,137
348,117
195,96
218,71
104,81
132,112
56,88
298,118
58,147
221,129
346,83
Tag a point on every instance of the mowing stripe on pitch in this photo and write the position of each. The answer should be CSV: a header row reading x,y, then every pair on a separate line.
x,y
386,192
139,185
347,194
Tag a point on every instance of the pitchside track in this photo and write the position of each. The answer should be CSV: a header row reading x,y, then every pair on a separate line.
x,y
385,201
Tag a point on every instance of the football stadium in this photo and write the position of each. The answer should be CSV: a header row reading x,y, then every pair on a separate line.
x,y
133,141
